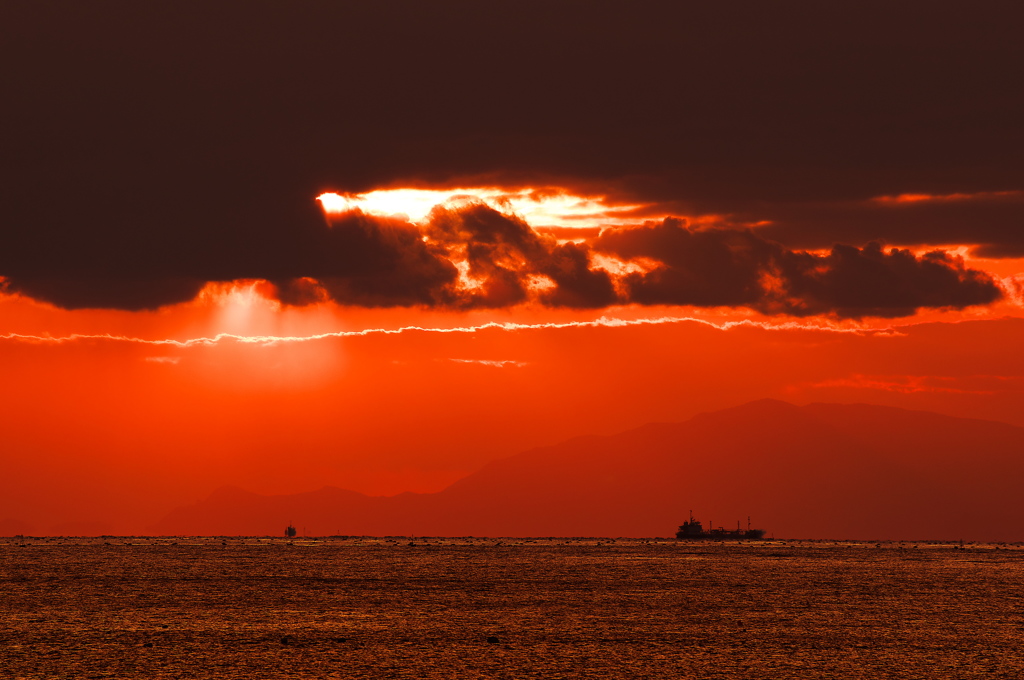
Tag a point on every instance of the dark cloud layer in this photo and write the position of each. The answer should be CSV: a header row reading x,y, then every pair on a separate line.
x,y
148,147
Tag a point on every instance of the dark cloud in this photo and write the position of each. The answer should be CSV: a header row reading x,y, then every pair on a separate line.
x,y
381,262
162,144
702,268
727,267
576,284
869,281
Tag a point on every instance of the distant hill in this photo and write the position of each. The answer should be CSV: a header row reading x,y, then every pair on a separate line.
x,y
816,471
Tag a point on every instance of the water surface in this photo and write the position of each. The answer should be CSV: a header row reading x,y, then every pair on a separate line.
x,y
425,608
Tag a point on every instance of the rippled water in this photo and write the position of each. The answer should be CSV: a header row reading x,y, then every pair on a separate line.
x,y
342,608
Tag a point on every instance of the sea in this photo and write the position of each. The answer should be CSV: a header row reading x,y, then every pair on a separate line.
x,y
414,607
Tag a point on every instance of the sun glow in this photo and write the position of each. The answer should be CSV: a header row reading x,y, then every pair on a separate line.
x,y
242,294
546,207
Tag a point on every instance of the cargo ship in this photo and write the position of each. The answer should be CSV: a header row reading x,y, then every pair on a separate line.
x,y
693,529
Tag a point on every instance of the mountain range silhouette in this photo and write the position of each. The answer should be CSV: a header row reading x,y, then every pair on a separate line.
x,y
835,471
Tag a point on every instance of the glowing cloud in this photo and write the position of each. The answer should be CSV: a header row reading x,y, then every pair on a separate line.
x,y
903,199
540,207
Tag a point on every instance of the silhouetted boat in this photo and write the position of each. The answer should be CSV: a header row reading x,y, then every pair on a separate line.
x,y
693,529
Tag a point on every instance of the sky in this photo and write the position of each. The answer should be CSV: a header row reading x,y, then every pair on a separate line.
x,y
376,245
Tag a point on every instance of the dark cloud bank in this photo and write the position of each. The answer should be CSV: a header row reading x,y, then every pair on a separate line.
x,y
146,148
361,259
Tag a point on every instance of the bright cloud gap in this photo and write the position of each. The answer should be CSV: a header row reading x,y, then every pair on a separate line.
x,y
539,207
